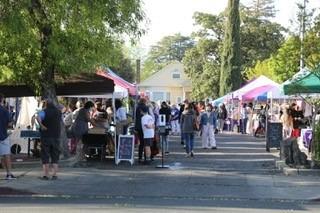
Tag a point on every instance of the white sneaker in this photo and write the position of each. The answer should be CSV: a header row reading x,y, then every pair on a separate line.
x,y
10,177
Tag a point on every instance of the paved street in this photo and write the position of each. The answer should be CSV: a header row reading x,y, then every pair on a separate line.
x,y
238,177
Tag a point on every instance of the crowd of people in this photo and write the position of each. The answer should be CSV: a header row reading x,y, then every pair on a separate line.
x,y
253,119
63,127
186,120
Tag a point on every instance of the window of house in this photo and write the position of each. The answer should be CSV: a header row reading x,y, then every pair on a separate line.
x,y
176,75
158,96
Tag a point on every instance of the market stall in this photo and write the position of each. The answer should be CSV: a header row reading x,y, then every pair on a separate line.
x,y
76,85
306,84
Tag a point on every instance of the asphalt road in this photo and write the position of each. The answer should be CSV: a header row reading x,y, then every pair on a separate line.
x,y
238,177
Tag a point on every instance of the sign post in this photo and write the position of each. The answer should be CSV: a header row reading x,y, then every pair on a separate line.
x,y
162,132
125,149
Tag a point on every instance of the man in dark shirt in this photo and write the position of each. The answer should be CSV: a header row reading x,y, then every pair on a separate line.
x,y
138,127
180,113
50,125
4,139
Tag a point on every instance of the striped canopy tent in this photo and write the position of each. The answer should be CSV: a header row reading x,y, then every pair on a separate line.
x,y
276,93
255,87
222,99
256,92
118,81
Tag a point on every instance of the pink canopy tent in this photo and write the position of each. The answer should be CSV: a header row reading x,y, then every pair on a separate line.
x,y
250,95
254,87
108,73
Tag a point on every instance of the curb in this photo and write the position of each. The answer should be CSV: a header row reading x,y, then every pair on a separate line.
x,y
128,197
283,167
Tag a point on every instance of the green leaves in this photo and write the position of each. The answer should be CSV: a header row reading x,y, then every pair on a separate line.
x,y
64,36
231,59
284,63
260,38
201,66
170,48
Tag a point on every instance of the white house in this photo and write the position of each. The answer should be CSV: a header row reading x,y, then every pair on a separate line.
x,y
168,84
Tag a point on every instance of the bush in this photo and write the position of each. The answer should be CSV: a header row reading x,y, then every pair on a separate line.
x,y
317,141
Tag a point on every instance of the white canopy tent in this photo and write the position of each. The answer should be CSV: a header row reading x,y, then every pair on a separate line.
x,y
29,106
119,93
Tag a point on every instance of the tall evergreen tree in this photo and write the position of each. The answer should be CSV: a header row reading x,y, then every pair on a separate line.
x,y
230,77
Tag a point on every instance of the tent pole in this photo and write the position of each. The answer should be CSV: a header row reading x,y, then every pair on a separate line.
x,y
271,107
135,103
115,125
232,113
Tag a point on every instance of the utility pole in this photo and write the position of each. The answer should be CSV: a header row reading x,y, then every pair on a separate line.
x,y
302,32
138,62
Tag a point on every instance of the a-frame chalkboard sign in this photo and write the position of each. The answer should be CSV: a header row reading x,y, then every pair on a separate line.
x,y
125,149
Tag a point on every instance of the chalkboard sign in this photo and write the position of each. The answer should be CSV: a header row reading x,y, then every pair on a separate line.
x,y
274,135
125,149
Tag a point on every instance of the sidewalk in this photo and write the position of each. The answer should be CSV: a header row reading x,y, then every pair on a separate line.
x,y
239,169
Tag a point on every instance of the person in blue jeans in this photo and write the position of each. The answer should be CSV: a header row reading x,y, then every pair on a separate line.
x,y
188,120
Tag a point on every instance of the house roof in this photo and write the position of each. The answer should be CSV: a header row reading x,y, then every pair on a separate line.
x,y
163,78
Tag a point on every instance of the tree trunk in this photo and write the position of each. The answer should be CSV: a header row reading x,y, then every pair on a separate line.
x,y
47,84
48,90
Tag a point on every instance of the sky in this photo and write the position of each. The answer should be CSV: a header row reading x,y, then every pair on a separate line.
x,y
168,17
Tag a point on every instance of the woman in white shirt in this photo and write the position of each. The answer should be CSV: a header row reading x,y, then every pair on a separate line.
x,y
250,119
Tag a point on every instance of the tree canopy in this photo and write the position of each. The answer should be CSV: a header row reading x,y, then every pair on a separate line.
x,y
39,39
168,49
209,44
284,62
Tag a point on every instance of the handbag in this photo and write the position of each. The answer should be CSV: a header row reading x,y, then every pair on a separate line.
x,y
154,147
196,125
